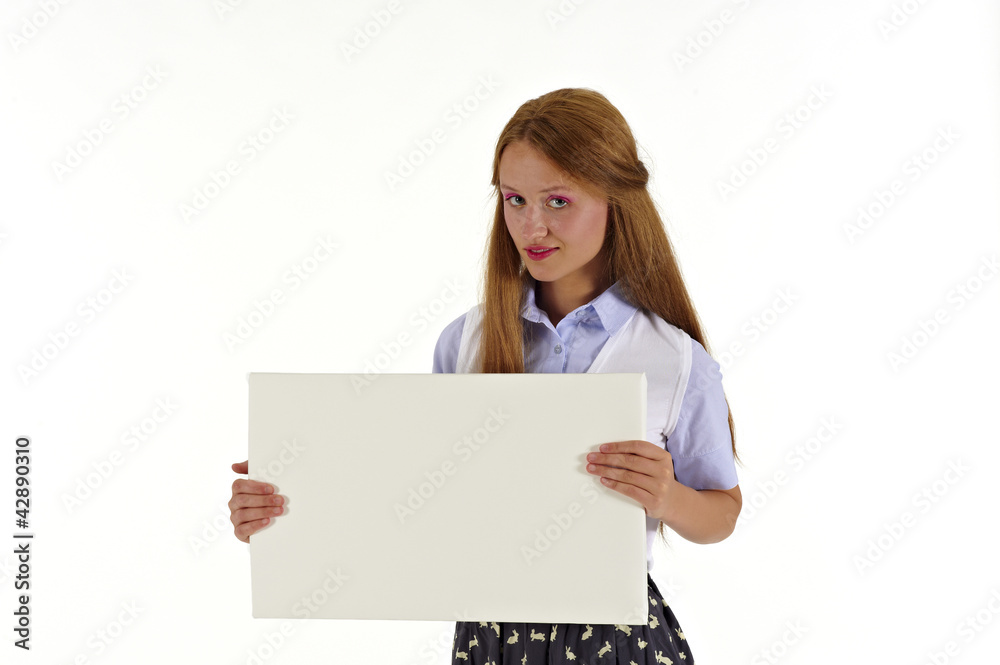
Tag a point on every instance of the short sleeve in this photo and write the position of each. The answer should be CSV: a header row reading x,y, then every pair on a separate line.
x,y
701,445
446,349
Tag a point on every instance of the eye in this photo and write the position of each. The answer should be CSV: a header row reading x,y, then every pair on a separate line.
x,y
556,198
510,199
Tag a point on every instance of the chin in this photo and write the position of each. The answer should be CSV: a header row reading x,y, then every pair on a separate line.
x,y
539,277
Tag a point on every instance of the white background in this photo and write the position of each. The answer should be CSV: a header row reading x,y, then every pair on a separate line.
x,y
818,549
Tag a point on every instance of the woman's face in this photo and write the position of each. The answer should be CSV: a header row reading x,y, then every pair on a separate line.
x,y
544,208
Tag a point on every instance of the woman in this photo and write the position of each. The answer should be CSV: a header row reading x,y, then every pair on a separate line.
x,y
580,277
580,272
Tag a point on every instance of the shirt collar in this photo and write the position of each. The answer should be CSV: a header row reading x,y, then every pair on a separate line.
x,y
612,309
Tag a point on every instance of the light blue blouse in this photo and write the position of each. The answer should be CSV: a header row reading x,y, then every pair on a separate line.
x,y
700,446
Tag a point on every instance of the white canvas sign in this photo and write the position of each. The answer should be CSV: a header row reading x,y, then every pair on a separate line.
x,y
446,497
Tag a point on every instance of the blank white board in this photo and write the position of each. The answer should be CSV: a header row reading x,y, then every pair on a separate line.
x,y
446,497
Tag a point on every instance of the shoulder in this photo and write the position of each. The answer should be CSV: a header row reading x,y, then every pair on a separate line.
x,y
703,421
701,443
704,369
446,349
676,338
703,395
706,373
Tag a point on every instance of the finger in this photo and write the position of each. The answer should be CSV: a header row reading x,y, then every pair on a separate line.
x,y
640,465
636,447
247,515
240,501
243,486
628,486
242,467
622,477
244,531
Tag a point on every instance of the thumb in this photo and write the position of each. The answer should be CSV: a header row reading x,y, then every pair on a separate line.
x,y
241,467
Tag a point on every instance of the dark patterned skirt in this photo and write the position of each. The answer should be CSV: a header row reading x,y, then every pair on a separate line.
x,y
660,641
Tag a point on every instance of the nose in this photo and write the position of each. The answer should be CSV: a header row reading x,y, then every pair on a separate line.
x,y
533,225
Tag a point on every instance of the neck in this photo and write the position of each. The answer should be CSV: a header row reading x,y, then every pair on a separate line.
x,y
557,299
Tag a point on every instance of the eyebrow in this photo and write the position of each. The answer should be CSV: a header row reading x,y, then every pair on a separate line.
x,y
545,191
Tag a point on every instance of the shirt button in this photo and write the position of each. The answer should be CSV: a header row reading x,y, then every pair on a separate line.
x,y
558,348
579,314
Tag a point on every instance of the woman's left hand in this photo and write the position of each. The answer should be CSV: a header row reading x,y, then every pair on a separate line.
x,y
638,469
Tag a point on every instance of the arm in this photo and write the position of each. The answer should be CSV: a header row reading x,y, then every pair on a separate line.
x,y
701,457
703,516
446,349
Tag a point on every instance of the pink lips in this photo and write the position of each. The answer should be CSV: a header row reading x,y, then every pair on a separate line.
x,y
538,256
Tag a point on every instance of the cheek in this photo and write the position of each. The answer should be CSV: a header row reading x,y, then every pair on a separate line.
x,y
558,227
570,230
597,227
600,231
508,220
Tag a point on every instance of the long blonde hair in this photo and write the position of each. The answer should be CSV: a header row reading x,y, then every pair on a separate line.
x,y
581,132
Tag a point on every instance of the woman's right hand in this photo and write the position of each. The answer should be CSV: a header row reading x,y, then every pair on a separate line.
x,y
253,504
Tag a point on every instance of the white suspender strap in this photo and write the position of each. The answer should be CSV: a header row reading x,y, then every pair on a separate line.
x,y
469,345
